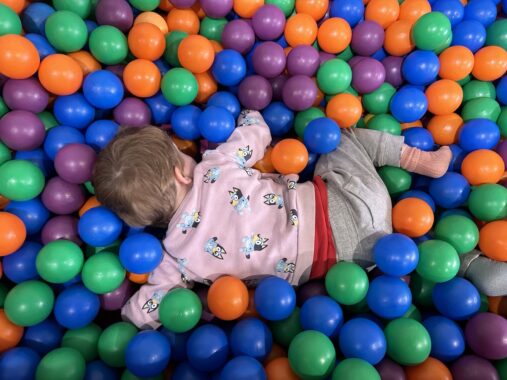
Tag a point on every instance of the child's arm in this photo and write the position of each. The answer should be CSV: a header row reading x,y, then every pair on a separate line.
x,y
489,276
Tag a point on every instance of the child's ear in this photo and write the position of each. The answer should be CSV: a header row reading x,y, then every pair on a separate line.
x,y
180,177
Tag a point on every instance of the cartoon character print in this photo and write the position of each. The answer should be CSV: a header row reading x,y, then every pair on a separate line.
x,y
153,303
189,221
243,155
254,242
284,267
291,184
293,217
249,171
214,249
239,201
182,264
272,199
211,175
246,119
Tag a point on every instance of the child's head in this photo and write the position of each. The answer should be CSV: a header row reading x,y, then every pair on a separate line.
x,y
141,175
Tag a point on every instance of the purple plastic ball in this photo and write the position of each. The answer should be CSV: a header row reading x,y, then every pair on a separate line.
x,y
132,112
324,57
299,92
368,75
183,4
61,197
355,60
74,163
277,85
269,59
268,22
117,298
60,227
255,92
117,13
309,290
25,95
216,8
392,66
389,370
238,35
22,130
501,149
486,335
303,60
471,367
367,38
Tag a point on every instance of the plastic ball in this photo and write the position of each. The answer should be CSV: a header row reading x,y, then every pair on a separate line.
x,y
60,74
470,34
432,31
100,133
34,17
279,118
438,261
216,124
102,273
457,299
74,163
492,240
408,342
251,337
367,38
99,227
117,298
25,95
408,104
389,297
334,76
478,134
311,353
393,66
447,338
184,121
21,130
289,156
55,363
453,9
243,368
396,255
300,29
207,348
58,137
108,45
180,310
19,363
268,22
367,75
19,58
228,298
147,354
280,368
352,12
467,365
238,35
303,60
349,369
490,63
196,53
142,78
132,112
347,283
419,138
321,313
450,191
29,303
20,265
179,86
146,41
76,307
268,59
44,336
485,334
275,299
229,67
444,97
485,13
363,339
322,136
345,109
20,180
66,31
459,231
334,35
412,217
59,261
226,100
483,166
140,253
456,62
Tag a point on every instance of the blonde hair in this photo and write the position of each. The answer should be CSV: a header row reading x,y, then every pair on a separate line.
x,y
134,176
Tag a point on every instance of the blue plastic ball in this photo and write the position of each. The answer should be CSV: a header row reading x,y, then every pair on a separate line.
x,y
447,338
322,135
73,110
229,67
225,100
419,138
99,227
351,11
76,307
408,104
452,9
207,348
243,368
309,171
19,363
457,299
251,337
450,191
147,354
44,48
455,211
389,297
98,370
161,109
140,253
100,133
103,89
420,67
34,17
32,212
275,299
396,254
478,134
469,33
458,155
421,195
216,124
20,265
483,11
43,337
501,91
58,137
184,121
184,371
363,339
39,158
379,55
279,118
321,313
178,342
162,66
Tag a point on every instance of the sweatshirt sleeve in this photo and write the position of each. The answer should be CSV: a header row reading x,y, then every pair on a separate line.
x,y
248,142
142,308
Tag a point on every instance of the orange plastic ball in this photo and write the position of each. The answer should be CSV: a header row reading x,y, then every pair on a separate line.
x,y
444,97
498,305
12,233
198,10
146,41
482,166
320,95
16,5
206,85
301,29
264,165
165,5
493,240
315,8
228,298
3,202
456,62
384,12
186,146
196,54
184,20
289,156
216,46
279,369
412,10
251,311
138,278
490,63
153,18
412,124
10,334
397,39
345,109
60,74
431,368
19,59
334,35
87,62
90,203
412,217
247,8
141,78
445,128
276,352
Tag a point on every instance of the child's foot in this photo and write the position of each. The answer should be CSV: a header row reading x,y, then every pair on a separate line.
x,y
430,164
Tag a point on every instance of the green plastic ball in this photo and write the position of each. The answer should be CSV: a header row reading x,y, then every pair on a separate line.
x,y
127,375
502,122
377,102
287,6
478,89
459,231
80,7
212,28
464,81
285,330
488,202
84,340
20,180
397,180
179,87
145,5
346,55
103,273
9,21
408,342
172,43
59,261
438,261
180,310
384,123
29,303
355,369
108,45
66,31
48,120
413,313
334,76
3,107
432,31
304,117
347,283
501,367
481,108
421,290
5,153
63,364
113,341
3,294
497,34
312,355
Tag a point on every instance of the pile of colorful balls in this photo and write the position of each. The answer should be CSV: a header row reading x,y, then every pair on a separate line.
x,y
73,71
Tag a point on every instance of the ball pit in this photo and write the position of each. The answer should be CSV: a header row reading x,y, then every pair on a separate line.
x,y
73,71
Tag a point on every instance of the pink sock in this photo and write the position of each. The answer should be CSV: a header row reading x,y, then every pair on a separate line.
x,y
430,164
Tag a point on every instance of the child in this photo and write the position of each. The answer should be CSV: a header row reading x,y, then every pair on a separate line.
x,y
226,218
